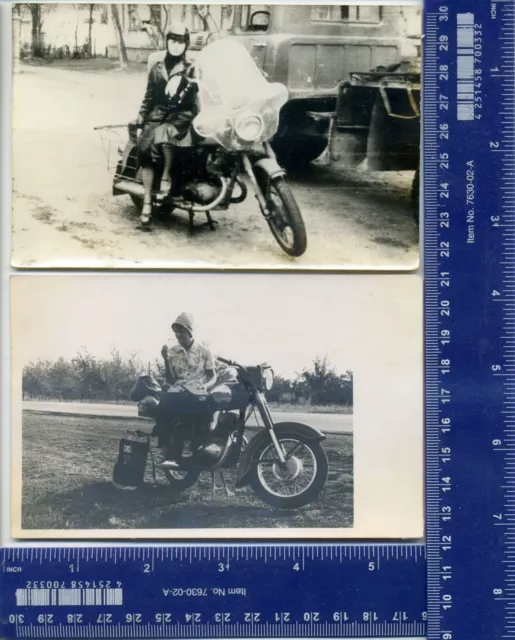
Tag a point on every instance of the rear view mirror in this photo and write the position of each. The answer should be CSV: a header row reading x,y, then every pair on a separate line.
x,y
259,21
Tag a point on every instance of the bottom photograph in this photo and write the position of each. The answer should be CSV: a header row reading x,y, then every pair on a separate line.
x,y
216,406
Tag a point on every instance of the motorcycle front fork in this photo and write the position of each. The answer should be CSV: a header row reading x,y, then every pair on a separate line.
x,y
247,165
269,424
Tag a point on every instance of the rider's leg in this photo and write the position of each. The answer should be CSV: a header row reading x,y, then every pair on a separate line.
x,y
166,178
179,435
147,176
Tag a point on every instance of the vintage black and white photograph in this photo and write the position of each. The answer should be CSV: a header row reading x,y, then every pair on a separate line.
x,y
229,136
217,405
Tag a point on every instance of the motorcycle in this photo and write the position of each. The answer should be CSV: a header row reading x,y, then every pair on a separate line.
x,y
284,463
238,115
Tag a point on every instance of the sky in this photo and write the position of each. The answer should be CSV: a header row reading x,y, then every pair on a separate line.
x,y
283,319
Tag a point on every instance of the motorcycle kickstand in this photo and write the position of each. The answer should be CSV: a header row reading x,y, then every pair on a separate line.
x,y
213,484
210,222
191,215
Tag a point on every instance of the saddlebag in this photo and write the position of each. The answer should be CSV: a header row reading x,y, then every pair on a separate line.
x,y
129,469
145,386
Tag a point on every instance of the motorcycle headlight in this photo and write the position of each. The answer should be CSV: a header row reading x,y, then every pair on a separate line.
x,y
267,379
249,128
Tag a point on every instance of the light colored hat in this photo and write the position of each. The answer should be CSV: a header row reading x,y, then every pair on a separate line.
x,y
185,320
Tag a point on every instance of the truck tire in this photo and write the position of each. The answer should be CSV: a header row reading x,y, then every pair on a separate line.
x,y
293,153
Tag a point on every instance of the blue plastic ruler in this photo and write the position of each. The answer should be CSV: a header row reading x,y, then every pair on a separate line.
x,y
219,591
469,192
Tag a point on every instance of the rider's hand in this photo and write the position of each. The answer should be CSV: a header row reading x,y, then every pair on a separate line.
x,y
164,351
136,123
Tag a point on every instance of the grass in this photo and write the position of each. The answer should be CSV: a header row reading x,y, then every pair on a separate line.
x,y
67,467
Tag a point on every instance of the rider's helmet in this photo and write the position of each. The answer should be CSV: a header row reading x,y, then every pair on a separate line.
x,y
178,32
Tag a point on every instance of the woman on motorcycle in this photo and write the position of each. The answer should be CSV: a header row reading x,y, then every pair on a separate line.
x,y
166,112
188,362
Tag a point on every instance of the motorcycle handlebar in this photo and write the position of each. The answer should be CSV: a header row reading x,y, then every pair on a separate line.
x,y
119,126
229,363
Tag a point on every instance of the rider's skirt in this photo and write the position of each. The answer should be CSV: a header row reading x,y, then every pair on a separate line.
x,y
175,132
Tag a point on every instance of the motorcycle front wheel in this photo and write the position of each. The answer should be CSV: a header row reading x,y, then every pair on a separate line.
x,y
285,220
181,480
297,482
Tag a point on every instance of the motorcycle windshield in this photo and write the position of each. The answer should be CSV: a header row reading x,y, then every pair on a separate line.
x,y
238,106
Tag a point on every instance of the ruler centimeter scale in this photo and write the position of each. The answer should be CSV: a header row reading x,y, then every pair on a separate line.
x,y
218,591
469,199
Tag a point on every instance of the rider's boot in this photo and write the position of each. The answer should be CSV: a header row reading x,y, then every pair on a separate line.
x,y
163,460
146,213
171,454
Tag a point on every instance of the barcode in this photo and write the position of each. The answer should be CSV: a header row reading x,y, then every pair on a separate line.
x,y
466,111
67,597
465,66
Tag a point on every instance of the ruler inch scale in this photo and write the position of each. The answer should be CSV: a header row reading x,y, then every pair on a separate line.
x,y
469,199
214,591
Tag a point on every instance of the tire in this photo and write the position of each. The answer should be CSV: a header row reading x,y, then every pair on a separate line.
x,y
181,480
415,197
285,221
307,495
293,154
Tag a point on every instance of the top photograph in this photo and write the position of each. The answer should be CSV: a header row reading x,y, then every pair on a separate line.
x,y
183,136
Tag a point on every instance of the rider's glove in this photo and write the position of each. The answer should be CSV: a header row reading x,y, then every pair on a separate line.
x,y
136,123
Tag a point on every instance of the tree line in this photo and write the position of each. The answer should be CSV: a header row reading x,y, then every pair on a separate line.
x,y
155,24
86,377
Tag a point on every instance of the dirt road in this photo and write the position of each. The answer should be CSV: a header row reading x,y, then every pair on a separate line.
x,y
64,213
326,422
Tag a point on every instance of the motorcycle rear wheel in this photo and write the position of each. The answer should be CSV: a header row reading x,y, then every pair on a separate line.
x,y
285,220
272,483
182,480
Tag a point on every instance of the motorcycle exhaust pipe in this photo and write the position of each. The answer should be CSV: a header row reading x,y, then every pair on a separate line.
x,y
136,189
133,188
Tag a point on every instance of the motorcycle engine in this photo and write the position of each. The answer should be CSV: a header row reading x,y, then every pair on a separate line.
x,y
201,192
214,446
211,450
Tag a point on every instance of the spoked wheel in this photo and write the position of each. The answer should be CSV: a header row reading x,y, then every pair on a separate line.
x,y
285,220
295,483
181,480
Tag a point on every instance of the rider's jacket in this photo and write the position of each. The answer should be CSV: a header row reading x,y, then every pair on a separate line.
x,y
191,365
158,107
